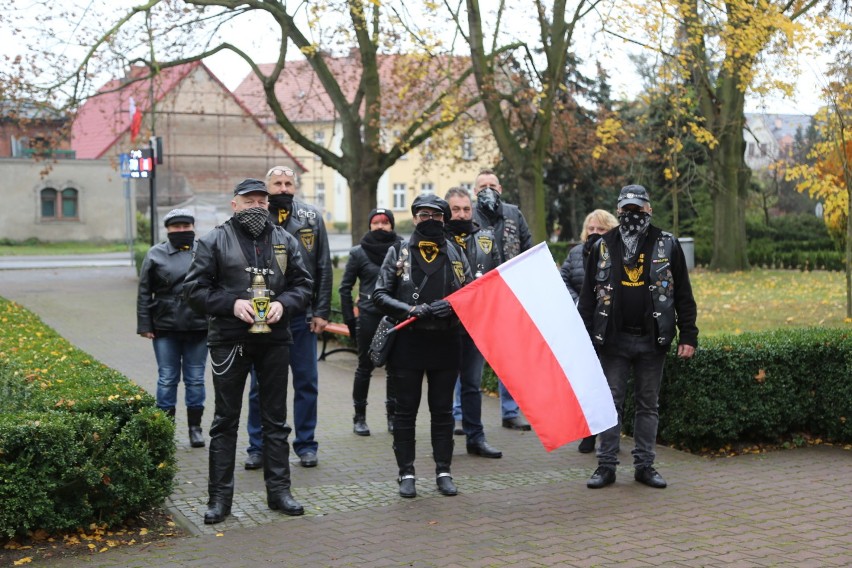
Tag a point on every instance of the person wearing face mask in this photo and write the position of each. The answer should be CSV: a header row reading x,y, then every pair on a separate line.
x,y
413,282
573,272
179,335
304,222
478,245
363,265
511,237
244,251
635,293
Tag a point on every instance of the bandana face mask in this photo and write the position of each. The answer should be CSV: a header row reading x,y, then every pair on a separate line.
x,y
632,225
488,199
253,220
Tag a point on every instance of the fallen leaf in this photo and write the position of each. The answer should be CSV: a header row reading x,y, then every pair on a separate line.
x,y
760,376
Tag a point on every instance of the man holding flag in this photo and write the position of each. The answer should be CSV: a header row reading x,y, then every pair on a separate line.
x,y
636,291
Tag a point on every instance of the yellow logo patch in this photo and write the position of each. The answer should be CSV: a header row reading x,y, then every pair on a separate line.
x,y
485,244
428,250
307,238
461,241
458,268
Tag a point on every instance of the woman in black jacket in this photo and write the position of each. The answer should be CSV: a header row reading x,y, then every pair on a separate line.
x,y
364,262
413,282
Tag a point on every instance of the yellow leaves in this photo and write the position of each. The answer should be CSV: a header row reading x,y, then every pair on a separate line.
x,y
607,134
22,561
760,377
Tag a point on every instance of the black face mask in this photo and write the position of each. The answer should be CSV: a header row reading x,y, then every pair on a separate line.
x,y
431,229
382,236
488,199
281,201
460,226
181,239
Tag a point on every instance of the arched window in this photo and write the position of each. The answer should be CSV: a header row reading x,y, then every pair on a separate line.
x,y
56,205
49,198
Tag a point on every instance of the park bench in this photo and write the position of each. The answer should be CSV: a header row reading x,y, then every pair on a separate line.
x,y
334,328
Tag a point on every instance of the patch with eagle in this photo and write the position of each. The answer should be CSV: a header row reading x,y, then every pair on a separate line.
x,y
308,239
428,250
485,243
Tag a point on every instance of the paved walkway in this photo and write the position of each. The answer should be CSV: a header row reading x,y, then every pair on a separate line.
x,y
531,508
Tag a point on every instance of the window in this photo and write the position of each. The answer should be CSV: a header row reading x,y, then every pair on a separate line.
x,y
427,188
319,137
59,204
399,196
764,149
751,152
427,150
467,148
467,186
320,195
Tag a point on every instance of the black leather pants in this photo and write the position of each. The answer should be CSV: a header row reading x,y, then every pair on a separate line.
x,y
231,364
409,385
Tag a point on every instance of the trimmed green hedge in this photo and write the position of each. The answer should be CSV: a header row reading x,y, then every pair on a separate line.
x,y
753,388
79,442
758,388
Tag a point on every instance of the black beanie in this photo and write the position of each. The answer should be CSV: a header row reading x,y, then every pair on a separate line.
x,y
386,212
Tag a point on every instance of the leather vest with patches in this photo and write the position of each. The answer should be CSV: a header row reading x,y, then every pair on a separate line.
x,y
661,288
407,290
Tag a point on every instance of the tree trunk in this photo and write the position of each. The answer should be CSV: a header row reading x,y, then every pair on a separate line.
x,y
729,178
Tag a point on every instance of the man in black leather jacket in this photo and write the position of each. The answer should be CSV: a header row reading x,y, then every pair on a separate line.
x,y
636,291
305,223
479,246
218,285
512,237
413,282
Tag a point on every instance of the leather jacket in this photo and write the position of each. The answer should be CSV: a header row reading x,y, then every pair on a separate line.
x,y
305,223
480,248
671,303
159,303
219,276
396,292
359,267
510,230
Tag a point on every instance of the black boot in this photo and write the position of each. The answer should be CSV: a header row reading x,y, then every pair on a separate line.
x,y
404,452
193,418
442,451
360,420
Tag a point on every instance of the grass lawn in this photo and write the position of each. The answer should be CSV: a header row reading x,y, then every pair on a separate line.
x,y
50,249
768,299
755,300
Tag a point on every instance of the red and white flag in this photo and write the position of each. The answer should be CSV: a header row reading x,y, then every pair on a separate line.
x,y
135,120
523,320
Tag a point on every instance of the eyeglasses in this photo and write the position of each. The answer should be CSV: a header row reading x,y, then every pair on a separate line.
x,y
278,170
426,216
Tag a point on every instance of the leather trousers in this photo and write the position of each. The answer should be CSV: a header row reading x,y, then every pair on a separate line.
x,y
231,364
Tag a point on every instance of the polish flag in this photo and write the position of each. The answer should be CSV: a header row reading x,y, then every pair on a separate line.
x,y
135,120
523,320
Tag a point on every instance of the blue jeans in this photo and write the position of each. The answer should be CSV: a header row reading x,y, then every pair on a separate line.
x,y
617,359
468,397
175,354
508,406
303,363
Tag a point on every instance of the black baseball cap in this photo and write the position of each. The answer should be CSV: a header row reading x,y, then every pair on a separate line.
x,y
633,195
250,185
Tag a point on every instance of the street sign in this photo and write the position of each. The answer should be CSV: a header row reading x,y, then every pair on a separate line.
x,y
137,164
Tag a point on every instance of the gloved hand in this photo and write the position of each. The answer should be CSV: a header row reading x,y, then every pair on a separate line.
x,y
421,311
352,324
441,309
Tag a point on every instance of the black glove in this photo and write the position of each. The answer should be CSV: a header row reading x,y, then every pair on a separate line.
x,y
441,309
352,324
421,311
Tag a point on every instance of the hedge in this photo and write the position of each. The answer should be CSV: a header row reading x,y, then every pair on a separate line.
x,y
79,442
753,388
